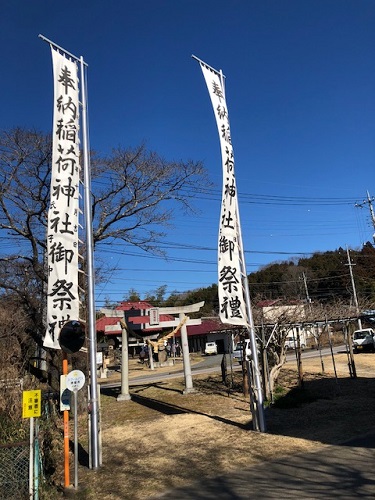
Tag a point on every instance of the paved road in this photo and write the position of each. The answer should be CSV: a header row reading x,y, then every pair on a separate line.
x,y
336,472
314,353
210,364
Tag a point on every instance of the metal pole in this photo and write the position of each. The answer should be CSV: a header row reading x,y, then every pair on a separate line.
x,y
353,286
66,429
251,330
36,460
42,37
260,420
90,277
258,387
75,440
220,73
31,460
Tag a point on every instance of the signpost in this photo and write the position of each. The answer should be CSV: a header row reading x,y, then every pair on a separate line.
x,y
75,380
31,404
71,339
31,408
64,394
154,316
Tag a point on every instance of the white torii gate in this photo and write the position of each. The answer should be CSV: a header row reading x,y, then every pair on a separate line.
x,y
181,310
182,318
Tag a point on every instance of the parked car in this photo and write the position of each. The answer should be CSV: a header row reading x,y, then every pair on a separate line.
x,y
364,340
291,343
210,348
239,351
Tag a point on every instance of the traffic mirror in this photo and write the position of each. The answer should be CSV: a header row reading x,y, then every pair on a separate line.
x,y
72,336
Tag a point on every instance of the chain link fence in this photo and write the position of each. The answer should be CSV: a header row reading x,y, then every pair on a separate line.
x,y
14,471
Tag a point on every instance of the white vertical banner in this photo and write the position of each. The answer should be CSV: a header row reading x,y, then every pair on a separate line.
x,y
232,306
62,232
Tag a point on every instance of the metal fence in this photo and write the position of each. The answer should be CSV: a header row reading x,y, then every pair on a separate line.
x,y
14,471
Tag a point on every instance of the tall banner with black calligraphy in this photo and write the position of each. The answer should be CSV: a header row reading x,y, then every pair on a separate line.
x,y
232,306
62,235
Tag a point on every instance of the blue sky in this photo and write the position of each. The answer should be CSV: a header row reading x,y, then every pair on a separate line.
x,y
300,87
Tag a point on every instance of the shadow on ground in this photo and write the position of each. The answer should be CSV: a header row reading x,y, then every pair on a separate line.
x,y
326,409
333,473
329,410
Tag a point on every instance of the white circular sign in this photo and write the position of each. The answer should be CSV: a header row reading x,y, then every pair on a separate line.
x,y
75,380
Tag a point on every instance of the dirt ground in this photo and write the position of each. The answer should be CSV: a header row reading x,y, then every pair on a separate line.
x,y
163,439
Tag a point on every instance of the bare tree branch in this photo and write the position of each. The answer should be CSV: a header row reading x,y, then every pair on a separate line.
x,y
135,194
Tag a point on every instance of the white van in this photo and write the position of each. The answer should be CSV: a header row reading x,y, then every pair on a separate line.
x,y
210,348
291,343
364,340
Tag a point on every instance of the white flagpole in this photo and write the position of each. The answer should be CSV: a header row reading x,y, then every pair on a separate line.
x,y
260,425
59,48
257,408
90,265
90,277
220,73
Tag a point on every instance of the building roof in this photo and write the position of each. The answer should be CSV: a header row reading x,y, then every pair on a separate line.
x,y
135,319
208,325
126,305
102,322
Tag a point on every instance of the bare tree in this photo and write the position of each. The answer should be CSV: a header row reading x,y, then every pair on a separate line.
x,y
14,350
274,333
135,193
282,320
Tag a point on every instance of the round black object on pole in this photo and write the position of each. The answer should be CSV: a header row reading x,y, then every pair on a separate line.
x,y
72,336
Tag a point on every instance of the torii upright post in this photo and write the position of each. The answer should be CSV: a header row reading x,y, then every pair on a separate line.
x,y
186,357
181,311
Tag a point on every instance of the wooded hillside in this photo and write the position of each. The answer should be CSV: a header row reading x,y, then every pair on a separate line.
x,y
324,276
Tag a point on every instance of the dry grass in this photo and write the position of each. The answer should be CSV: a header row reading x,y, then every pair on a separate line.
x,y
163,439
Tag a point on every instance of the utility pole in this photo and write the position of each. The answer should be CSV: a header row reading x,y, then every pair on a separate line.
x,y
368,202
306,290
350,264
